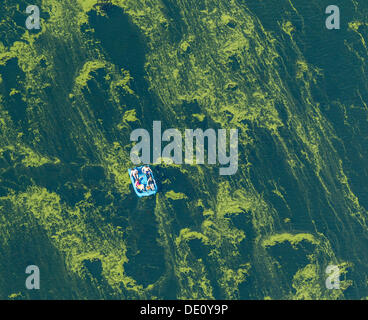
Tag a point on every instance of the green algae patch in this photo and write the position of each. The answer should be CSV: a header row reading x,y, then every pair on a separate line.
x,y
294,240
191,272
15,296
34,159
288,27
186,235
85,74
185,46
87,5
199,116
70,233
5,57
123,82
302,68
175,195
27,156
306,284
130,116
355,25
228,21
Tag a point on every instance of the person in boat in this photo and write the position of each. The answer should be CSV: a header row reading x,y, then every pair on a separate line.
x,y
134,173
150,184
139,185
147,171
